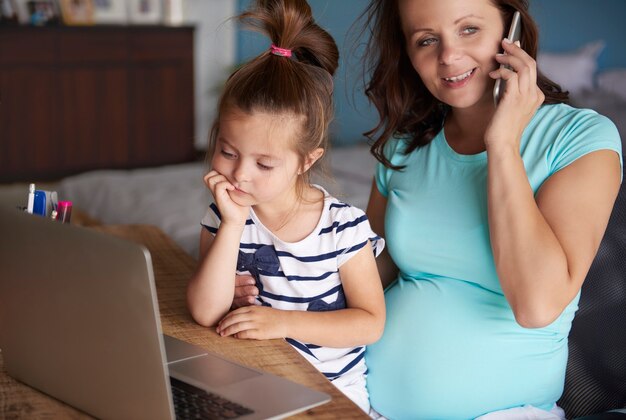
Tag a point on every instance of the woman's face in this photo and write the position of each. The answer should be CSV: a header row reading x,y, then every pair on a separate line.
x,y
452,45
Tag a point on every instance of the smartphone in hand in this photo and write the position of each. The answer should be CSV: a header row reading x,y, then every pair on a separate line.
x,y
515,33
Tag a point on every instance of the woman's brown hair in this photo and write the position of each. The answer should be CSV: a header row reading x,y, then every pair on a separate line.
x,y
406,108
300,86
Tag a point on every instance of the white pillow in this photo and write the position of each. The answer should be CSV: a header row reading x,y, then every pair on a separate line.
x,y
575,70
613,81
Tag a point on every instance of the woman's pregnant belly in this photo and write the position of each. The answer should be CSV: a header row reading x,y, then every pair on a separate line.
x,y
452,349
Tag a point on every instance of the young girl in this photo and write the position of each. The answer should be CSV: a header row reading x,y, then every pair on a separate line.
x,y
313,257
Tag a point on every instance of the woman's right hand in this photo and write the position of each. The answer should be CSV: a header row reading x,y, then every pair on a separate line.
x,y
520,100
231,212
245,291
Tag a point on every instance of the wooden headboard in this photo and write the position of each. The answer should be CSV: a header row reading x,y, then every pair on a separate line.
x,y
80,98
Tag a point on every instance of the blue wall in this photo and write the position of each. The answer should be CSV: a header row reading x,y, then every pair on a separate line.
x,y
564,25
567,24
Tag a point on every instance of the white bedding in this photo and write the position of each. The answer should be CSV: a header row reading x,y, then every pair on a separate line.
x,y
174,197
606,103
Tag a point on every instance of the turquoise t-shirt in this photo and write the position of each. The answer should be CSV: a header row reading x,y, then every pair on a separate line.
x,y
451,346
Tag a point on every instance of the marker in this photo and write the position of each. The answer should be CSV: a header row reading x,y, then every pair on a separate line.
x,y
40,203
64,211
31,198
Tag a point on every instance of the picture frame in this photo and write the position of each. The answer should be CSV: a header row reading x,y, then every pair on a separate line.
x,y
36,12
110,12
77,12
145,11
21,8
8,11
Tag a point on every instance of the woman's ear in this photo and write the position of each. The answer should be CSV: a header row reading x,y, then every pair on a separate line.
x,y
312,157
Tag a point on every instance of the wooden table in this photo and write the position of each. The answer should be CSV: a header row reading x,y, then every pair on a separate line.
x,y
172,268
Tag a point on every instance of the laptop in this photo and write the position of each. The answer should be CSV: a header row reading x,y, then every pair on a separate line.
x,y
79,321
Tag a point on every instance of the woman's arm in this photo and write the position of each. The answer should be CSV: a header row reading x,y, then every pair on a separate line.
x,y
376,208
543,246
361,323
245,291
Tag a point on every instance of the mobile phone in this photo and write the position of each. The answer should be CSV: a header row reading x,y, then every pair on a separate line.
x,y
515,33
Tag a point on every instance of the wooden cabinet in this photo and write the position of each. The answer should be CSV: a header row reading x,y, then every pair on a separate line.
x,y
79,98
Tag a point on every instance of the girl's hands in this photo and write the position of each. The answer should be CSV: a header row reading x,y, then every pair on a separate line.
x,y
232,213
521,99
254,322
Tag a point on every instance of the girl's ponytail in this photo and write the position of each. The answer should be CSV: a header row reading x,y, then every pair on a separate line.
x,y
289,24
293,77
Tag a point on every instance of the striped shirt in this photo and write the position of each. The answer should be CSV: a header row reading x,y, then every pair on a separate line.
x,y
304,275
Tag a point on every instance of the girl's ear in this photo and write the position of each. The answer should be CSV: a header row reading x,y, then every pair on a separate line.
x,y
312,157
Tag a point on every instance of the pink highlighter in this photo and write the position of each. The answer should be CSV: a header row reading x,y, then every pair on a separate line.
x,y
64,211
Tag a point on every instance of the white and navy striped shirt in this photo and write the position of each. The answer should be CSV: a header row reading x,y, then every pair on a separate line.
x,y
304,275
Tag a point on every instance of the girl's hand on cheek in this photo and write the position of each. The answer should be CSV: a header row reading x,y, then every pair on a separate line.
x,y
231,212
254,322
521,99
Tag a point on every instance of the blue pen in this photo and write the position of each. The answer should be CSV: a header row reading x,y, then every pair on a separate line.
x,y
39,204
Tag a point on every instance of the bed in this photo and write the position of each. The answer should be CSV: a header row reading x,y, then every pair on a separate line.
x,y
603,90
174,197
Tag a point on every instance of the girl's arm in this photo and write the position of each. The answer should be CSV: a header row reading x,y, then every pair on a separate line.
x,y
361,323
543,246
376,208
210,291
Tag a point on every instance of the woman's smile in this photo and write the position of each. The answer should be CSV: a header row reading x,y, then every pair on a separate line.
x,y
460,80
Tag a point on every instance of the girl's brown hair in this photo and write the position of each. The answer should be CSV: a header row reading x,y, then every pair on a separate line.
x,y
300,86
404,104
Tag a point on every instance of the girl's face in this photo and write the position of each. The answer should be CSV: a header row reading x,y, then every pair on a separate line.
x,y
452,45
255,153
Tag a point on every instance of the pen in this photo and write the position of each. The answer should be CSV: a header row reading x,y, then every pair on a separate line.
x,y
40,202
64,211
31,198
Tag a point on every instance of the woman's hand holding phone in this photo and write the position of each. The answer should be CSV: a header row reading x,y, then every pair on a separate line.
x,y
515,34
521,98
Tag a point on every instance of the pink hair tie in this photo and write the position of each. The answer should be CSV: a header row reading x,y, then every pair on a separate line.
x,y
283,52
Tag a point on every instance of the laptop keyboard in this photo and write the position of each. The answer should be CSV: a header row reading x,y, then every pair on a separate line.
x,y
191,402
